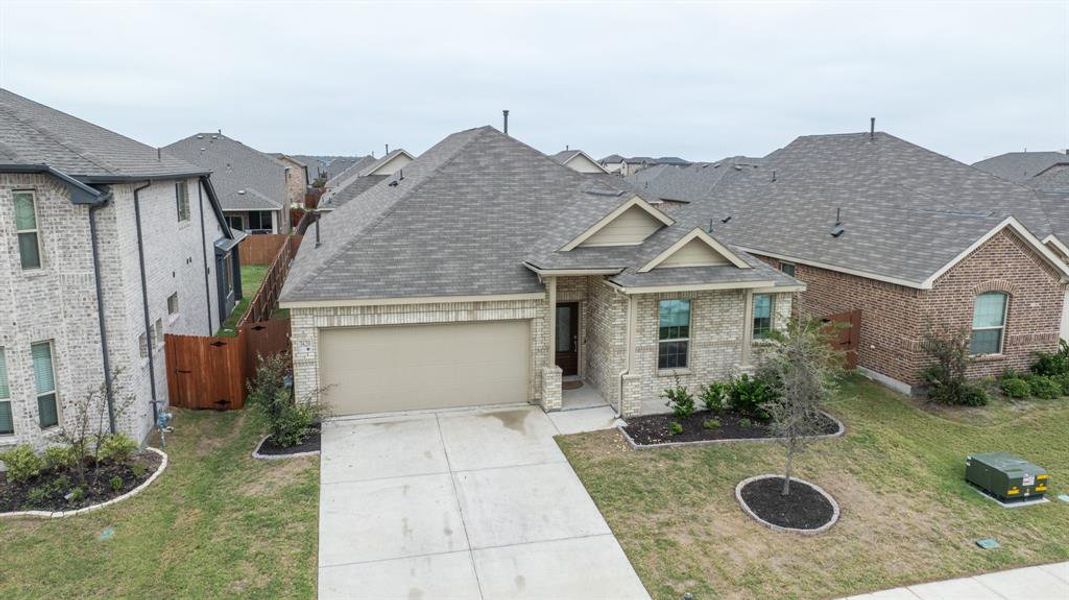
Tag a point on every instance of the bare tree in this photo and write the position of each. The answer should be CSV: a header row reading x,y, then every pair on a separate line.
x,y
803,367
87,428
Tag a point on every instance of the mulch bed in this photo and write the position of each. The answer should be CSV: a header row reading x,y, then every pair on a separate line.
x,y
804,508
654,429
310,444
52,487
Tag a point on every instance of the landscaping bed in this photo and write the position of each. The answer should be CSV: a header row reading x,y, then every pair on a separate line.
x,y
52,490
269,448
651,430
807,508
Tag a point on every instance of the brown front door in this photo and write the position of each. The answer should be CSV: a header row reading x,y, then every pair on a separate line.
x,y
568,338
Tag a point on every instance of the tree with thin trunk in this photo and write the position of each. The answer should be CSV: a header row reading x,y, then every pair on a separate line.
x,y
803,367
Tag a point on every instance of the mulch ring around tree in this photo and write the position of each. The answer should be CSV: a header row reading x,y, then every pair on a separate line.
x,y
807,509
52,490
269,449
651,430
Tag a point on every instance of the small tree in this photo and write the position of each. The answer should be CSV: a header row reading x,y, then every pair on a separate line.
x,y
803,367
288,421
85,432
946,377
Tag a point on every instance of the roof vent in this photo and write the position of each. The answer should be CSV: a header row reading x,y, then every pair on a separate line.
x,y
837,231
394,183
202,149
200,136
241,192
725,219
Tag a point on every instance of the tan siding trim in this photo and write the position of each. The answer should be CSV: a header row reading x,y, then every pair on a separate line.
x,y
419,300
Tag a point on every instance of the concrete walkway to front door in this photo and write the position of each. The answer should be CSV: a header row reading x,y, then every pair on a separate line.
x,y
468,504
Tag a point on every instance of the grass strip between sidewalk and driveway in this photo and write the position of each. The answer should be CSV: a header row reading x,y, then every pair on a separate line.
x,y
216,524
907,514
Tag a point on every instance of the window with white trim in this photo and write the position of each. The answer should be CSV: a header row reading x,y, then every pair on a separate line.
x,y
787,268
157,333
142,345
764,306
26,229
7,419
44,376
181,192
673,334
989,323
172,304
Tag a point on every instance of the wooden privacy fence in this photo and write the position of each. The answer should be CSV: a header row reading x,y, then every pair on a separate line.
x,y
847,336
261,248
265,300
211,372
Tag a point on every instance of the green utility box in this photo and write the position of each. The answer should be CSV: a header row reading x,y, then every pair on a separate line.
x,y
1006,476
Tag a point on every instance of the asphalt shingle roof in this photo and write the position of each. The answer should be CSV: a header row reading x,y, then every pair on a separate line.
x,y
244,178
32,133
1021,166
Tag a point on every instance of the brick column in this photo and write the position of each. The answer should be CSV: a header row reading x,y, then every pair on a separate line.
x,y
631,400
551,388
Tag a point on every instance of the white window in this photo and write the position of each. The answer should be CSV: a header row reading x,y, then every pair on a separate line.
x,y
763,308
142,345
673,334
157,333
44,375
172,304
7,420
989,323
26,227
181,191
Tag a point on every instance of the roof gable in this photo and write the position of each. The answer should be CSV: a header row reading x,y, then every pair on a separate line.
x,y
389,164
695,249
628,225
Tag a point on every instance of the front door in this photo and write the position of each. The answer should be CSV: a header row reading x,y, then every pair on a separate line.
x,y
568,338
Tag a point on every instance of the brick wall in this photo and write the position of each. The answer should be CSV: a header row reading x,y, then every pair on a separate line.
x,y
894,317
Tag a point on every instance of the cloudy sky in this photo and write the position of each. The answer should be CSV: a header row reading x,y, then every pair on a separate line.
x,y
698,80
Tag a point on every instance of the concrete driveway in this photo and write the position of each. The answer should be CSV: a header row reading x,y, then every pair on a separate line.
x,y
470,504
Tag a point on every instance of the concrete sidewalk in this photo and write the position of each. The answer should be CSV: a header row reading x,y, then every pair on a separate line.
x,y
1045,582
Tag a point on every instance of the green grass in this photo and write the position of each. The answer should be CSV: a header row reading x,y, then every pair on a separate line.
x,y
907,515
251,278
216,524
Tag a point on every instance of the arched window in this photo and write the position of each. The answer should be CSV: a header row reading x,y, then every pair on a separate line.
x,y
989,323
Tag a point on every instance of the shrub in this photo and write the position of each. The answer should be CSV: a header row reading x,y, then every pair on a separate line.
x,y
22,463
680,400
745,423
61,457
117,448
139,470
1044,387
1052,363
288,422
675,428
116,483
946,379
749,394
711,423
1063,382
76,495
714,396
1015,387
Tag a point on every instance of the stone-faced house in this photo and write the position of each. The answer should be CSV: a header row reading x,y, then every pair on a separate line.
x,y
255,189
297,180
488,272
911,238
108,244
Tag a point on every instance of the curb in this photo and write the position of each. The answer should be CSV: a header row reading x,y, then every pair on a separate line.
x,y
637,446
256,452
44,514
746,509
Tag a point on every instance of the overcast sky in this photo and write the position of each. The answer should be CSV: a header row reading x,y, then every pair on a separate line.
x,y
702,81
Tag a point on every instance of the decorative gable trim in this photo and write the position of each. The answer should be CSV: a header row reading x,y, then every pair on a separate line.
x,y
696,234
635,201
580,154
380,169
1014,225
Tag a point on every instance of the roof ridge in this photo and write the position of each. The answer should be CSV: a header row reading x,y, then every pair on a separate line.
x,y
52,136
339,251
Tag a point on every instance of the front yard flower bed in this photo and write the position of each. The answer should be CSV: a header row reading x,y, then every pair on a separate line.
x,y
270,449
656,430
58,489
808,509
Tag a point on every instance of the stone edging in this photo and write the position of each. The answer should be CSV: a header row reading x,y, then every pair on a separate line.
x,y
256,452
637,446
45,514
773,526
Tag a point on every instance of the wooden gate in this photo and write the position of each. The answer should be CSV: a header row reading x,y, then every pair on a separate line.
x,y
847,337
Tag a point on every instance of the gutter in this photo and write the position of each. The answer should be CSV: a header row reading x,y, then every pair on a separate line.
x,y
109,398
80,192
144,300
204,251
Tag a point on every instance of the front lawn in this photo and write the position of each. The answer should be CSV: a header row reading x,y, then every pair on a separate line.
x,y
216,524
907,514
251,278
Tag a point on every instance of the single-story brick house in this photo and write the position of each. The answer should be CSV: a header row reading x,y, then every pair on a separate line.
x,y
911,238
107,245
487,272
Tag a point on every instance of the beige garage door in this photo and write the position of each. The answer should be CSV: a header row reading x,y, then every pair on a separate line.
x,y
411,367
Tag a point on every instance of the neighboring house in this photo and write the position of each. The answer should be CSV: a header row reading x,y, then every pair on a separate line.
x,y
297,181
255,189
362,176
108,244
673,184
621,165
911,238
1020,167
489,272
579,161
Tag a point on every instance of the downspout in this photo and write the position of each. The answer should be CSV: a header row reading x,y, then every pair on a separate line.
x,y
628,350
93,238
204,250
144,300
